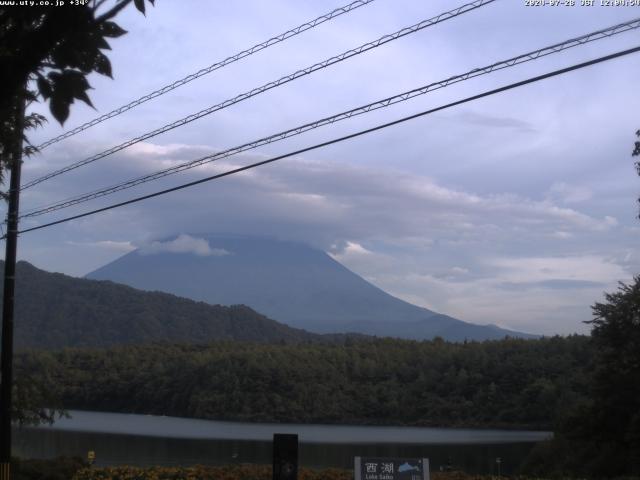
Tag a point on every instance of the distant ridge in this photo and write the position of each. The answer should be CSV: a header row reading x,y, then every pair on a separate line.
x,y
290,282
55,311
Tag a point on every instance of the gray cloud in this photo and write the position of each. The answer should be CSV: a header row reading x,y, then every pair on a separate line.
x,y
499,258
491,121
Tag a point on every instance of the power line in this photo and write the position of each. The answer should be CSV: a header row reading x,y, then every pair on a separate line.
x,y
215,66
268,86
597,35
341,139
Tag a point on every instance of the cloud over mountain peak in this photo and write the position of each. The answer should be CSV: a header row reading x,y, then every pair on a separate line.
x,y
183,244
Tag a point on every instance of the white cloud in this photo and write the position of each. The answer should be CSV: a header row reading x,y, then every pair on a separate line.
x,y
105,244
184,244
459,271
151,149
491,121
354,248
531,307
569,193
590,268
362,260
149,156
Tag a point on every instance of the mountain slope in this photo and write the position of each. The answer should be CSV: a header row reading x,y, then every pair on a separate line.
x,y
291,282
55,310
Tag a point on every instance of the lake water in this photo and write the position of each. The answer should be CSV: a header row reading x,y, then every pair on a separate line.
x,y
152,440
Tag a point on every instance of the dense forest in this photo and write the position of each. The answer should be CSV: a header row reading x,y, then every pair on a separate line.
x,y
587,389
510,383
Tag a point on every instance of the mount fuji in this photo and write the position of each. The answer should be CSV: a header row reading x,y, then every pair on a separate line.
x,y
289,282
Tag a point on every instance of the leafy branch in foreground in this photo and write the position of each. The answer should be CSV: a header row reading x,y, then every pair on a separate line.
x,y
48,52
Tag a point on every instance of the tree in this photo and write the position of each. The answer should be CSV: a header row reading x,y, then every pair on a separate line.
x,y
52,50
601,437
46,52
615,416
636,153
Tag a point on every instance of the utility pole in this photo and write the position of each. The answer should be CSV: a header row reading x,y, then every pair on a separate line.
x,y
6,367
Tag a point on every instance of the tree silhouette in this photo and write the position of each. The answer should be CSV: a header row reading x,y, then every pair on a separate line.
x,y
47,52
636,153
615,416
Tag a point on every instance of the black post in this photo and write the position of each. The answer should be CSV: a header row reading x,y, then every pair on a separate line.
x,y
8,300
285,456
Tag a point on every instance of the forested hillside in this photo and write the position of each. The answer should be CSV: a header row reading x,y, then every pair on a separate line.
x,y
55,311
508,383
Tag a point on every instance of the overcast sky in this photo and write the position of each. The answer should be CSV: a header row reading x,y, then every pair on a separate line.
x,y
517,209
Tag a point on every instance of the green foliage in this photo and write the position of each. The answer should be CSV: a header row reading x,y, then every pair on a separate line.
x,y
78,312
243,472
612,422
34,398
11,140
600,436
62,468
509,383
616,387
58,48
636,152
47,52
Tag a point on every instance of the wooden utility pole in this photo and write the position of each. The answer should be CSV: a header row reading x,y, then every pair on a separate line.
x,y
6,367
